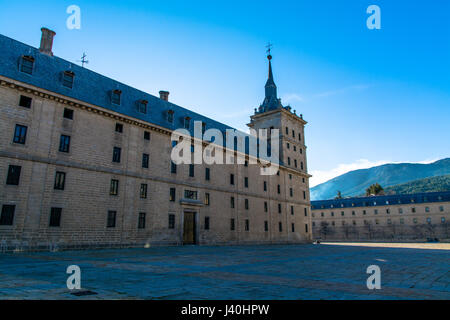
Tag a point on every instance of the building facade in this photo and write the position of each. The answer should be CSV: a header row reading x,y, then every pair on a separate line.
x,y
85,161
410,217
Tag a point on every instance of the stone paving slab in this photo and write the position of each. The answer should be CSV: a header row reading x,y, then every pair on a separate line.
x,y
231,272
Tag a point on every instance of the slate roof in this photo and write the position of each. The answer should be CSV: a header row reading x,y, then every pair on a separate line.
x,y
426,197
92,87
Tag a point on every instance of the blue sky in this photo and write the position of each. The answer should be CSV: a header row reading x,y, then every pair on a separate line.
x,y
370,96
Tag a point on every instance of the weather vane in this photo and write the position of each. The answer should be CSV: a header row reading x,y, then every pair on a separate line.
x,y
83,60
269,48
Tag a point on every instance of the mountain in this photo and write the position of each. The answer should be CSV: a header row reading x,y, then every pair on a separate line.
x,y
355,182
433,184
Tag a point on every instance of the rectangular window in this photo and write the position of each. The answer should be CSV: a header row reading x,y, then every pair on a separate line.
x,y
306,228
413,210
145,160
68,114
291,192
247,225
232,179
119,127
293,227
55,217
265,206
187,123
246,204
7,217
189,194
141,221
143,192
292,210
64,143
115,97
265,185
111,221
170,116
116,154
207,199
68,79
279,208
306,212
304,194
20,134
60,180
13,175
25,102
232,225
171,221
172,194
191,170
142,106
207,174
441,208
173,167
146,135
280,227
232,202
114,187
26,65
266,226
246,182
206,223
279,189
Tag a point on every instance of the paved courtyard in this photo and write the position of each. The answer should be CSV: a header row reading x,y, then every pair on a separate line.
x,y
325,271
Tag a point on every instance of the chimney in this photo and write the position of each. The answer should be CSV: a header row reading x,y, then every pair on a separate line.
x,y
164,95
47,41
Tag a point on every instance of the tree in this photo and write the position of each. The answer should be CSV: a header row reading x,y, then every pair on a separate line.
x,y
324,230
375,189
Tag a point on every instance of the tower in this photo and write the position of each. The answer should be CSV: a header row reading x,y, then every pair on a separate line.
x,y
291,183
271,114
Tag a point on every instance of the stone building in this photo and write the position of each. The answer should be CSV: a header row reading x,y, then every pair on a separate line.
x,y
408,217
85,161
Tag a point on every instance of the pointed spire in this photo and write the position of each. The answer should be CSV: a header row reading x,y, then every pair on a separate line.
x,y
270,78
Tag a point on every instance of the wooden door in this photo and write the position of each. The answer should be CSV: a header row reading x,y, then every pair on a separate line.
x,y
189,228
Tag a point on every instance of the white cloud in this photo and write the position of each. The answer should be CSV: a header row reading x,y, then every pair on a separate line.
x,y
292,97
342,90
320,176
